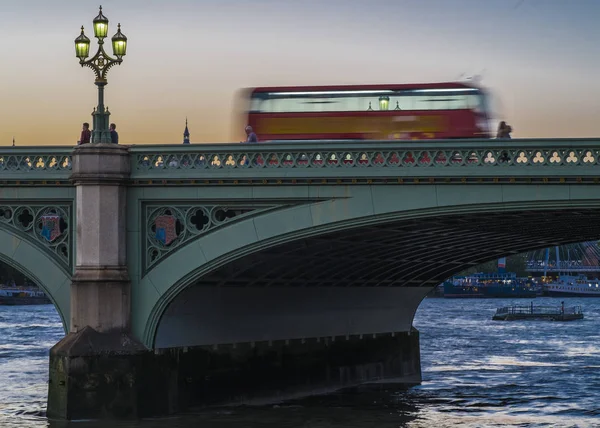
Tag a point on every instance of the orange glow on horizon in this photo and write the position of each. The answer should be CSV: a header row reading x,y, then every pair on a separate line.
x,y
182,61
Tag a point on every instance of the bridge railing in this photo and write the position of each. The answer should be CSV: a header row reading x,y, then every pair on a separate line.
x,y
349,159
35,163
459,159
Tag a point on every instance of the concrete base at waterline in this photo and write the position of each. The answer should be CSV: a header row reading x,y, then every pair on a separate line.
x,y
264,373
99,376
111,376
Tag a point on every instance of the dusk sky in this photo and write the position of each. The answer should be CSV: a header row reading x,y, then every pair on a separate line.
x,y
540,59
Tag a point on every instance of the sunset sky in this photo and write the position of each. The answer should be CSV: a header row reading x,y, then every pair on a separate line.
x,y
540,58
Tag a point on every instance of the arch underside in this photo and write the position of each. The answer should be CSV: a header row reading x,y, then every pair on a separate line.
x,y
56,297
401,256
415,252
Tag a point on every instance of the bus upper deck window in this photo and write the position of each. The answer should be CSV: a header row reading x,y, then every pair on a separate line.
x,y
256,104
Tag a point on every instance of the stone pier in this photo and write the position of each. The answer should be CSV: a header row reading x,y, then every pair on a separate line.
x,y
98,369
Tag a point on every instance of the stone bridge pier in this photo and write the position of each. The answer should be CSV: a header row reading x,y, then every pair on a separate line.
x,y
96,368
215,343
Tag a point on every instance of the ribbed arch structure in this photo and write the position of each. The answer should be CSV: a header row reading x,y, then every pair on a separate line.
x,y
412,248
416,252
37,265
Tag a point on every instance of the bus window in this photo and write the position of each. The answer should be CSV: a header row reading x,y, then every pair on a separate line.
x,y
322,104
421,102
256,104
402,103
340,102
457,102
351,103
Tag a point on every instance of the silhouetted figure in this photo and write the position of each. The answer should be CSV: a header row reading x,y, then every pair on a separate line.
x,y
86,134
114,135
504,131
251,136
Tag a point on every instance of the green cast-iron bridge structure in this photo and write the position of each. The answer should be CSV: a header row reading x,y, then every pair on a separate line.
x,y
232,244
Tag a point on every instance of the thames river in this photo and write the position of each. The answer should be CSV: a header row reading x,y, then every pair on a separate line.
x,y
476,373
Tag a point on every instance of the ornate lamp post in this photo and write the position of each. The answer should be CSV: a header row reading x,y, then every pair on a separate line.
x,y
100,64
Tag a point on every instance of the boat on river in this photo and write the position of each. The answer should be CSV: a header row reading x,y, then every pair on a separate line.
x,y
22,296
499,285
572,286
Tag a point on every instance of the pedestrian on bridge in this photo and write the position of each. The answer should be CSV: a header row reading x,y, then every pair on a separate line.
x,y
114,135
251,136
86,134
504,130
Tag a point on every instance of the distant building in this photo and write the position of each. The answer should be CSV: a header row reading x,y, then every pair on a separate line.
x,y
186,134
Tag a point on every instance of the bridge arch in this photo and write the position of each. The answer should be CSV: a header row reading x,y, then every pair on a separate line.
x,y
414,240
35,263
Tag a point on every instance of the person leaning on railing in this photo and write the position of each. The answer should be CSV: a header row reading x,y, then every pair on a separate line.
x,y
504,131
250,135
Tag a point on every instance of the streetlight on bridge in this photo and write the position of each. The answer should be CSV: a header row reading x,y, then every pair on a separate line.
x,y
100,64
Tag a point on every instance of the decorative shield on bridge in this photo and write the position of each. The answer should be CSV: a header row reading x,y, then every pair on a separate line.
x,y
50,227
165,229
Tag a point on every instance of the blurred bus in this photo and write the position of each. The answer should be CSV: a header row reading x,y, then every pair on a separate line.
x,y
369,112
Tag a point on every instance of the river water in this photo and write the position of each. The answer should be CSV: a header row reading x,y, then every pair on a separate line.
x,y
476,373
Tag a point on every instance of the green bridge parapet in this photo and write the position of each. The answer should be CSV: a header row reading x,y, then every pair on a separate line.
x,y
554,159
550,160
35,163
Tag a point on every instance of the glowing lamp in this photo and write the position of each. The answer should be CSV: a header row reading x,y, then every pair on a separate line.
x,y
82,46
100,25
384,103
119,43
101,63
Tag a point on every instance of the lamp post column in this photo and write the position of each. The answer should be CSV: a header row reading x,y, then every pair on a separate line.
x,y
100,63
101,133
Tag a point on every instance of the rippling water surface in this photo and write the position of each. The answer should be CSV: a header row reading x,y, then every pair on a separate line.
x,y
476,373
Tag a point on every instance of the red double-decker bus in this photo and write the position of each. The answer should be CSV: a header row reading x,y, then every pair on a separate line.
x,y
370,112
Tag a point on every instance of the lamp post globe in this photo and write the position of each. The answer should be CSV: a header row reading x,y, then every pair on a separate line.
x,y
100,63
119,43
100,25
82,46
